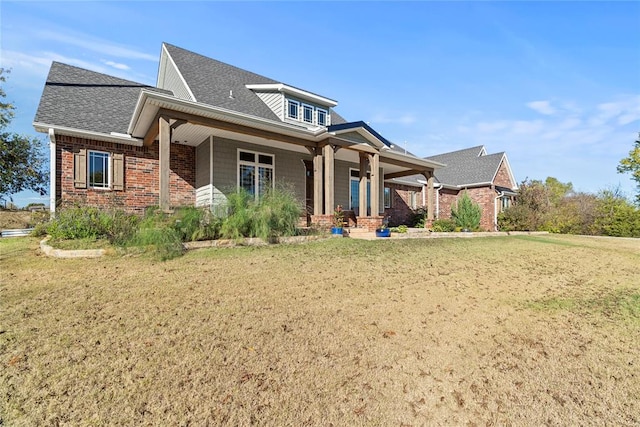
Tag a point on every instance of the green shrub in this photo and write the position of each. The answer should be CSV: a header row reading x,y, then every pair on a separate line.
x,y
466,213
237,224
276,214
193,223
443,225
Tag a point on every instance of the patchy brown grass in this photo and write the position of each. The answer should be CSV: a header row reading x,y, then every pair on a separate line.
x,y
15,219
493,331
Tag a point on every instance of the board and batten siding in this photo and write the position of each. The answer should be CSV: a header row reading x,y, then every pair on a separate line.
x,y
273,100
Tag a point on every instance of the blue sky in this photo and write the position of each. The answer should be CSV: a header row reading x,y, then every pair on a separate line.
x,y
554,84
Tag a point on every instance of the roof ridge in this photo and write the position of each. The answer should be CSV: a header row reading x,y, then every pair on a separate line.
x,y
221,62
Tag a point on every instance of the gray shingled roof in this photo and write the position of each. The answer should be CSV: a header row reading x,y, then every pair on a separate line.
x,y
211,80
82,99
466,167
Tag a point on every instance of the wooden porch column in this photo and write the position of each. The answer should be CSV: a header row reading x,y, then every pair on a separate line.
x,y
362,202
430,196
329,187
164,140
374,161
317,182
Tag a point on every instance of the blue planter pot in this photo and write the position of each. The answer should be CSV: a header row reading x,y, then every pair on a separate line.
x,y
336,230
383,233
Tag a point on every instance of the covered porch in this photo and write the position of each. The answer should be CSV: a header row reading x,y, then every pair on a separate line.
x,y
344,164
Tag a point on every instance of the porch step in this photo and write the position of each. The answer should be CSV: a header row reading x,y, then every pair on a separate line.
x,y
361,233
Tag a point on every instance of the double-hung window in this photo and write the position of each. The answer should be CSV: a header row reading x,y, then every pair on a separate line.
x,y
255,172
99,167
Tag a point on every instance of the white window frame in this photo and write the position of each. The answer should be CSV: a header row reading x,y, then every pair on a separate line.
x,y
413,199
326,116
308,107
291,102
384,197
357,179
90,153
256,164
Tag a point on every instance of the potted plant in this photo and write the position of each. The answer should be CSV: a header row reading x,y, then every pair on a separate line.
x,y
338,221
383,231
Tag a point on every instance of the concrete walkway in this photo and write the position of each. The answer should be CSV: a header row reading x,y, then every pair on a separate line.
x,y
421,233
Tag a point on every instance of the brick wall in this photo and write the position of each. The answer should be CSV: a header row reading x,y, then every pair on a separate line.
x,y
483,196
503,179
400,211
141,180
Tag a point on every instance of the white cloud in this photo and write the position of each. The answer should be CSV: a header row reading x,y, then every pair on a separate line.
x,y
542,107
95,44
117,65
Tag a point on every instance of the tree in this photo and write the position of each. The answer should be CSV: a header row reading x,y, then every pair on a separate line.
x,y
466,213
22,163
631,165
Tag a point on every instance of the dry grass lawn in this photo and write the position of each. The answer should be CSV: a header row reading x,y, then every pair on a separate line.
x,y
492,331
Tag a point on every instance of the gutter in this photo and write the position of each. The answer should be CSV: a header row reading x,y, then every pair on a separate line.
x,y
156,99
118,138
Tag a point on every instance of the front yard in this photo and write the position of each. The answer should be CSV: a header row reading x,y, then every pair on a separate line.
x,y
491,331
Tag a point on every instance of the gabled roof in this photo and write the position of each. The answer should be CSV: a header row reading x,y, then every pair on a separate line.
x,y
464,168
222,85
467,167
76,98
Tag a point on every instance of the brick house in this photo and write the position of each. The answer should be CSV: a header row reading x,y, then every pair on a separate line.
x,y
207,129
486,178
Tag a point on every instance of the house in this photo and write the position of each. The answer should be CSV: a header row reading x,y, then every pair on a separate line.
x,y
486,178
207,129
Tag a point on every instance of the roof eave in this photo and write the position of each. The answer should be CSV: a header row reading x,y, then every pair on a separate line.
x,y
81,133
281,87
150,99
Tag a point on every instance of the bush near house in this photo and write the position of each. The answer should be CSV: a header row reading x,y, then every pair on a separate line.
x,y
466,214
274,215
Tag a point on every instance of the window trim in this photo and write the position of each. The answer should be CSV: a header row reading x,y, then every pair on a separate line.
x,y
108,169
384,197
291,102
256,164
326,116
304,109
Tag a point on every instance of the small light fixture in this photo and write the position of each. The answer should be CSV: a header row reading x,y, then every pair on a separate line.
x,y
231,95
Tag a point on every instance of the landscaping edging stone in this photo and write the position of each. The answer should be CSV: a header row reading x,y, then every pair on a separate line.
x,y
66,253
252,241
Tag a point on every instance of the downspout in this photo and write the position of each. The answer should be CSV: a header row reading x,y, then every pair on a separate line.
x,y
52,173
438,188
495,210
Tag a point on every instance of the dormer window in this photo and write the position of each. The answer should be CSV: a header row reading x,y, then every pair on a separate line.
x,y
321,116
293,109
306,113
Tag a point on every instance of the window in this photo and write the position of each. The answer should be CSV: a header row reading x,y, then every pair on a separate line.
x,y
505,203
413,200
354,190
322,116
99,169
255,172
307,113
293,109
387,197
